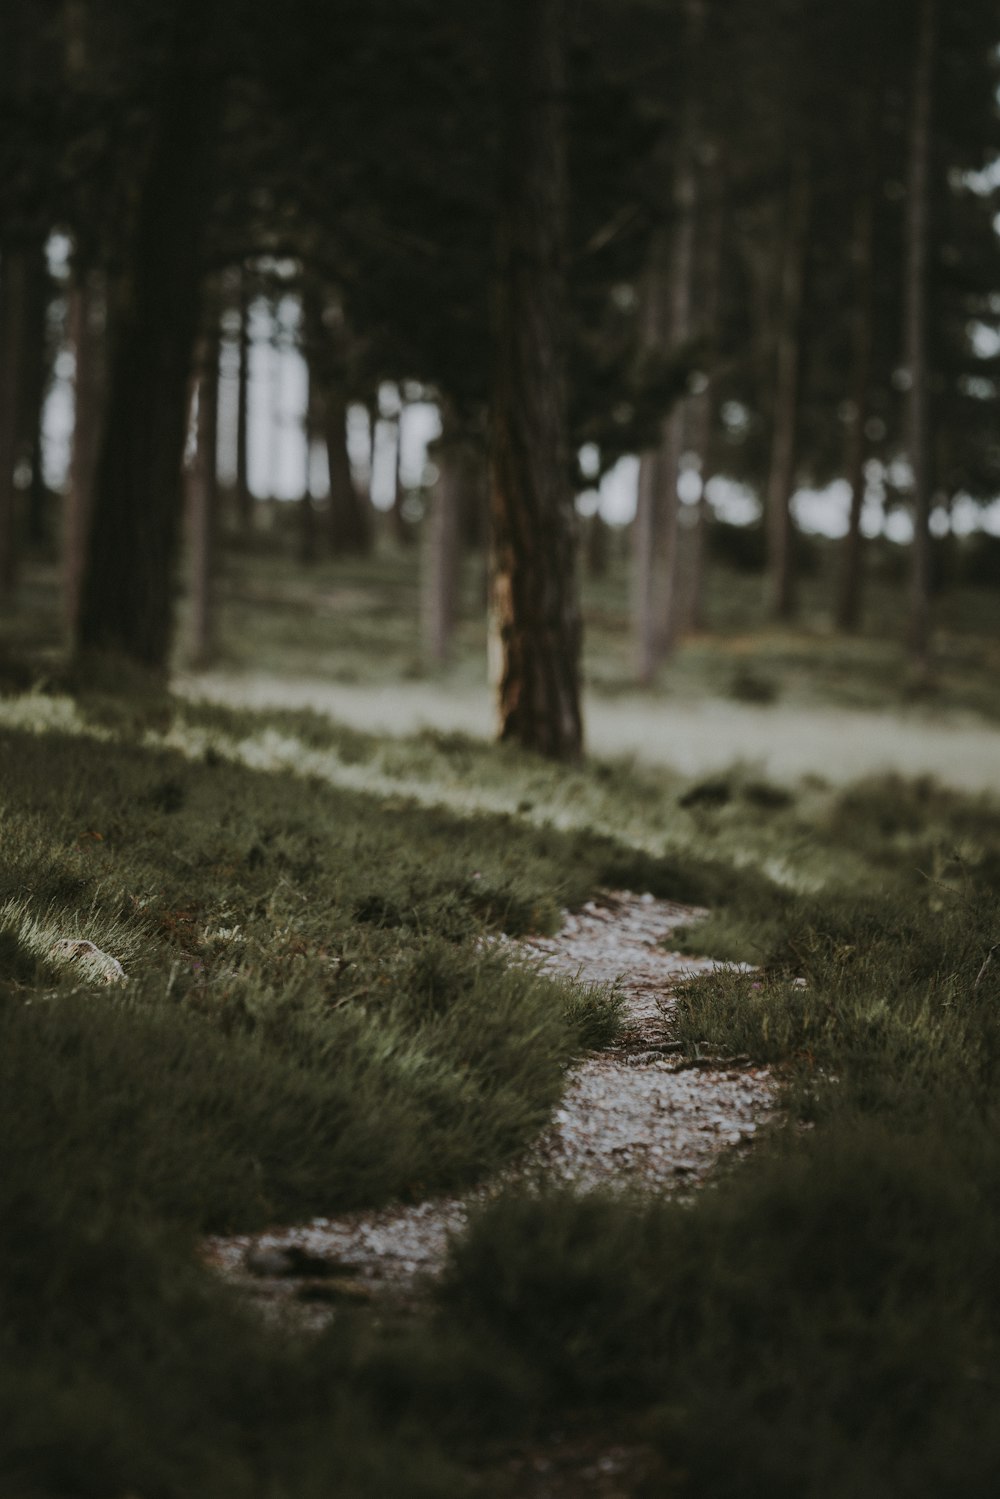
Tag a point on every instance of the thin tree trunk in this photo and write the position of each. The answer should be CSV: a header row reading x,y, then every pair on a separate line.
x,y
917,237
88,330
15,283
244,499
597,546
203,492
781,477
645,536
349,520
401,528
307,507
126,594
441,552
702,406
848,615
669,318
36,371
535,616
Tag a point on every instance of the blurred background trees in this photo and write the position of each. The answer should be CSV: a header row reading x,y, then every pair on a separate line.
x,y
778,273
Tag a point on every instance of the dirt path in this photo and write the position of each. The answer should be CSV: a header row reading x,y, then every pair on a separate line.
x,y
633,1115
694,738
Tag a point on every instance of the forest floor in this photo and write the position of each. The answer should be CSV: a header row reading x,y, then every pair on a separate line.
x,y
326,1011
780,741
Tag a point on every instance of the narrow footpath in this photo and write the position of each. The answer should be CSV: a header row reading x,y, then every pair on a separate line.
x,y
635,1115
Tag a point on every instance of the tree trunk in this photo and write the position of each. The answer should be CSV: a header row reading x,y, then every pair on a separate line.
x,y
307,508
36,372
126,593
203,491
15,284
535,616
702,406
401,529
442,551
781,476
88,330
669,319
848,615
917,238
244,499
597,546
349,520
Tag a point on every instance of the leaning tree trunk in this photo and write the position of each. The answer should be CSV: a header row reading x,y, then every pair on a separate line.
x,y
535,615
849,596
781,476
126,594
917,237
203,495
89,314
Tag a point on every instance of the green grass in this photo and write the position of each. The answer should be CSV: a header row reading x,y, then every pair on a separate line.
x,y
313,1021
357,621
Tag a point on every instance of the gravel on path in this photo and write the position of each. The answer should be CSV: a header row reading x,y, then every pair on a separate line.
x,y
631,1116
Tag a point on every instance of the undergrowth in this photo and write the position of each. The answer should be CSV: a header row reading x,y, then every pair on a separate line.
x,y
316,1017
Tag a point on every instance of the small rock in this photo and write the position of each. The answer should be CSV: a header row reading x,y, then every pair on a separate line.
x,y
93,962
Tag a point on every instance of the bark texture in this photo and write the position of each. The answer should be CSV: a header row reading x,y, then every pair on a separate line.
x,y
917,237
535,616
126,594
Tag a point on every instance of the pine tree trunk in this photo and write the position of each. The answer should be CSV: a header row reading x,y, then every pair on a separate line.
x,y
646,530
917,237
244,499
781,476
126,593
702,406
535,616
349,519
307,507
88,330
15,283
36,372
597,546
442,552
848,615
669,320
401,529
203,498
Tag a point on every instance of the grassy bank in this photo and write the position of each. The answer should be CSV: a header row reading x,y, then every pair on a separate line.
x,y
312,1022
